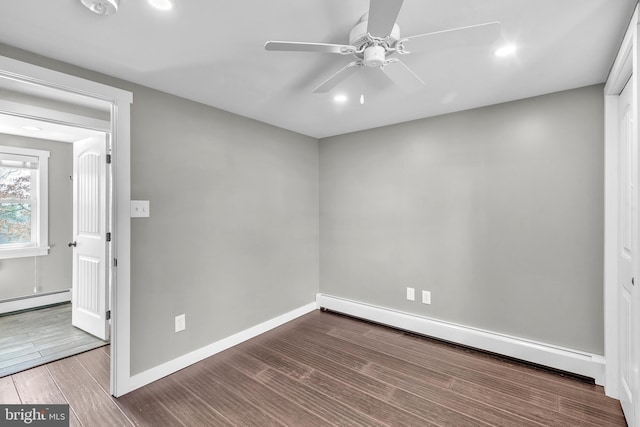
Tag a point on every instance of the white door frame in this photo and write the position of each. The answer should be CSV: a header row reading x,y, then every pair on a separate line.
x,y
121,234
624,67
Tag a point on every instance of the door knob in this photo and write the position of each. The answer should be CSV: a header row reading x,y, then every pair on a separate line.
x,y
74,244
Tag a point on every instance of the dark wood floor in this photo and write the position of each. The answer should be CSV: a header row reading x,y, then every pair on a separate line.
x,y
35,337
324,369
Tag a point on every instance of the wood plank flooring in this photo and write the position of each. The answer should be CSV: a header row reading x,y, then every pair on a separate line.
x,y
35,337
325,369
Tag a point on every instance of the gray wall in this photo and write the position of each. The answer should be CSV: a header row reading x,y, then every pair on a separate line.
x,y
232,240
52,272
497,211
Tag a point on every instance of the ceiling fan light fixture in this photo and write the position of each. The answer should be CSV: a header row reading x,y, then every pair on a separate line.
x,y
374,56
506,50
161,4
102,7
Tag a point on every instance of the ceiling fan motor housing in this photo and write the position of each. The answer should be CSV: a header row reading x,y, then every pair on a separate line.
x,y
359,36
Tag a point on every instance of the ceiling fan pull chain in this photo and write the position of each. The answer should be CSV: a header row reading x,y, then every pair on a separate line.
x,y
361,86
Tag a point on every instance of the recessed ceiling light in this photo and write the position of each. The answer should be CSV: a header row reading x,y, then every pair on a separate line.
x,y
102,7
162,4
340,98
506,50
33,128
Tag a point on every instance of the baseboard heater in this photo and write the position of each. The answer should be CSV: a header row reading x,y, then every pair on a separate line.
x,y
577,363
27,302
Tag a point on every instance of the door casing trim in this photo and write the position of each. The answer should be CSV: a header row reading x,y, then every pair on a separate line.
x,y
624,67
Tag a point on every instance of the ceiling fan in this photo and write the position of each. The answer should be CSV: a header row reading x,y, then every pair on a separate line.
x,y
375,39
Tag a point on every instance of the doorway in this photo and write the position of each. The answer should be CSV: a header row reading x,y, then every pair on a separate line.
x,y
70,91
38,325
622,234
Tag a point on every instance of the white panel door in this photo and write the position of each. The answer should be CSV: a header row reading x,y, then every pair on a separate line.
x,y
628,246
90,247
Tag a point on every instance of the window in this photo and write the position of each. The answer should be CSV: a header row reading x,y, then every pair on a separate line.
x,y
23,202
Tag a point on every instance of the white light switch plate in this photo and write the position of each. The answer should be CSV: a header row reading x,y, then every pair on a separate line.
x,y
139,208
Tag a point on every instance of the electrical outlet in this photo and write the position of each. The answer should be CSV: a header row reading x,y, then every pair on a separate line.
x,y
426,297
411,294
181,323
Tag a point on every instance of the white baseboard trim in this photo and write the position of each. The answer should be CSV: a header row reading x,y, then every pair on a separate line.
x,y
34,301
577,362
167,368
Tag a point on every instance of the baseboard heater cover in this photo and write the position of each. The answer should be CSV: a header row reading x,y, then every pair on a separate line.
x,y
34,301
563,359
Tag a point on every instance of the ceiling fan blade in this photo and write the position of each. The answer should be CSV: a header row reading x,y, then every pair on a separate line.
x,y
337,78
401,75
455,37
382,16
309,47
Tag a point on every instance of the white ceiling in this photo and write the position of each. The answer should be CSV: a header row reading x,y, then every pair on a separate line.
x,y
212,52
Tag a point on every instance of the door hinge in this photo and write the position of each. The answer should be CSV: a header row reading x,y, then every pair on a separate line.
x,y
115,262
108,314
109,159
108,237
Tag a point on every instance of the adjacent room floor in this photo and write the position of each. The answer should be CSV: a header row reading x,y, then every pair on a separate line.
x,y
324,369
32,338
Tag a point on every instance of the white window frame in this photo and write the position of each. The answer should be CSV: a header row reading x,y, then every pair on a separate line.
x,y
39,244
